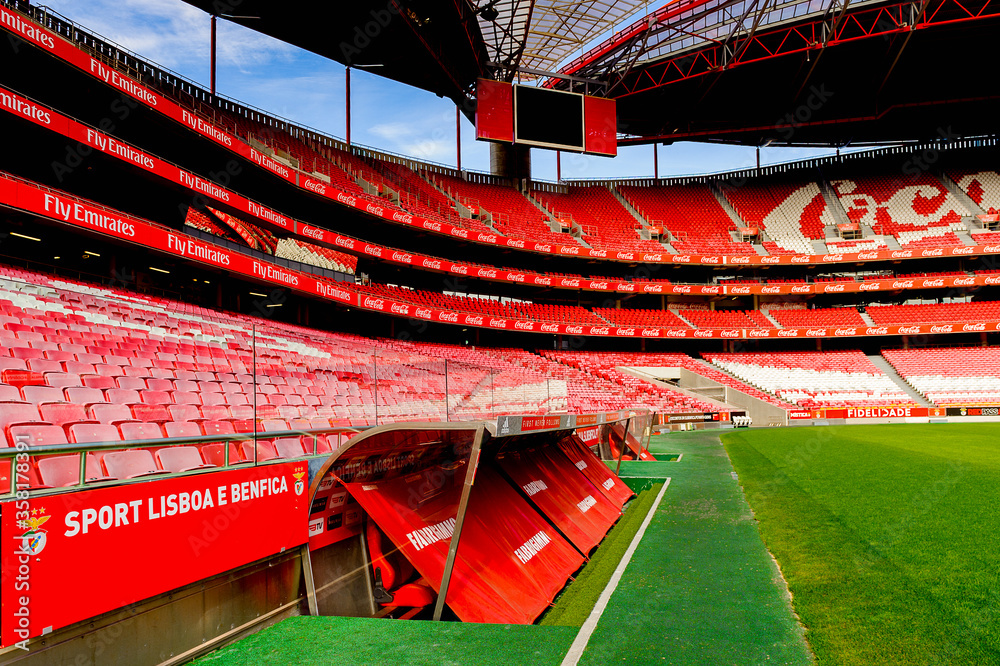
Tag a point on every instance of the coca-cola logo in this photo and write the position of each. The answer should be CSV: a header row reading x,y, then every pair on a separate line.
x,y
681,258
831,288
542,280
799,259
374,303
423,313
901,254
870,286
433,226
598,285
963,250
730,333
938,252
459,233
524,325
474,320
770,290
942,329
344,242
320,188
515,242
652,257
373,250
846,331
599,253
498,323
549,328
653,288
625,286
902,284
992,280
402,257
402,217
974,327
759,333
569,249
375,210
312,232
877,330
739,290
676,333
702,333
965,282
801,289
432,264
710,260
991,248
739,260
343,198
626,332
600,330
517,277
788,333
543,248
816,332
460,269
487,273
571,283
449,317
487,238
626,255
908,330
867,256
400,308
833,257
933,283
681,289
770,260
574,330
651,332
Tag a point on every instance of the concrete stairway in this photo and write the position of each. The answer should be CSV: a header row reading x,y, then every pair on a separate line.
x,y
891,373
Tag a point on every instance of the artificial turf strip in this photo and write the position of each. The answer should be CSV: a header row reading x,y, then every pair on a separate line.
x,y
353,641
575,603
701,588
888,536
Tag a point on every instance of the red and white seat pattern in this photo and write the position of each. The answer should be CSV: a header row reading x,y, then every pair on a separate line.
x,y
983,187
911,209
815,379
951,375
791,213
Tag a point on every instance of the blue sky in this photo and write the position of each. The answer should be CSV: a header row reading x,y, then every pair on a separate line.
x,y
308,89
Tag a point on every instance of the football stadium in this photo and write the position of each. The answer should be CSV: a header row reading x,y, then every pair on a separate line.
x,y
270,395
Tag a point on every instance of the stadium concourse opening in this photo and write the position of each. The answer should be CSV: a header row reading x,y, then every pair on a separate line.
x,y
481,522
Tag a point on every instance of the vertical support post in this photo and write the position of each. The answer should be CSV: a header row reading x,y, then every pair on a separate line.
x,y
347,101
559,166
254,329
463,505
621,452
758,158
212,57
458,138
656,161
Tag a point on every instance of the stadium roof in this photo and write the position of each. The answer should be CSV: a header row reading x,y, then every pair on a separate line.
x,y
753,72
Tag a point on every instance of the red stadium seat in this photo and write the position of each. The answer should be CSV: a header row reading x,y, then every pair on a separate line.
x,y
180,459
130,464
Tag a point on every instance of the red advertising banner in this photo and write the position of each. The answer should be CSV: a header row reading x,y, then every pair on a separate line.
x,y
594,469
600,120
73,556
56,45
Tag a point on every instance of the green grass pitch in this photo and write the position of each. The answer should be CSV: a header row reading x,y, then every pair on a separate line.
x,y
888,536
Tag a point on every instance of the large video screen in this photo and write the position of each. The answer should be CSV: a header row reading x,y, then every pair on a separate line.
x,y
548,118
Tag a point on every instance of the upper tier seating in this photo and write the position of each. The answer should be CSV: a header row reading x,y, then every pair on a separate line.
x,y
605,222
951,375
727,318
791,213
696,221
911,209
815,379
819,317
943,313
983,187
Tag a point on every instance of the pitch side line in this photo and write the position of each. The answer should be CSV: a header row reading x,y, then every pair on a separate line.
x,y
583,637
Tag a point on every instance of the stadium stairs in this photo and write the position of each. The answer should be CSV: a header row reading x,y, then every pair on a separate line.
x,y
882,364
